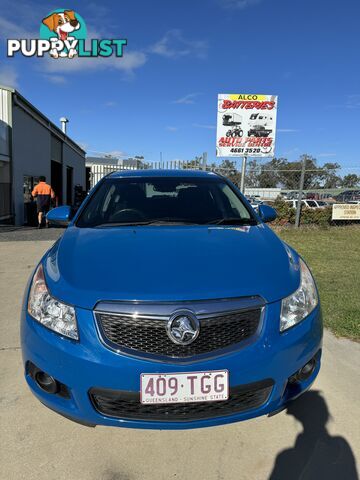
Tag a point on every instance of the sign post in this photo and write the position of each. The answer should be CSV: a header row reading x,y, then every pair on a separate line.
x,y
301,188
243,171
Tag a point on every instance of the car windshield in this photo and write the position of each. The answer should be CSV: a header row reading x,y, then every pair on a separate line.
x,y
164,200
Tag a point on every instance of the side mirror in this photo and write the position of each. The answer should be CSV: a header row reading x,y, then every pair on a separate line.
x,y
267,213
60,216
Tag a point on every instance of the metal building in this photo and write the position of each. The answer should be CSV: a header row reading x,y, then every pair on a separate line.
x,y
30,146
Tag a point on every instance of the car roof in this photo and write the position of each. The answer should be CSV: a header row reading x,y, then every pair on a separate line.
x,y
163,173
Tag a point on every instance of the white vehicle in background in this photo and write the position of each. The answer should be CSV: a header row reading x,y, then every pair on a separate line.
x,y
322,203
308,203
254,202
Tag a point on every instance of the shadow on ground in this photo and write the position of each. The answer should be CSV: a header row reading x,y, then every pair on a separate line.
x,y
316,453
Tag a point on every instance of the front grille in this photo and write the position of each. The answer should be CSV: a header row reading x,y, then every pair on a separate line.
x,y
148,335
127,405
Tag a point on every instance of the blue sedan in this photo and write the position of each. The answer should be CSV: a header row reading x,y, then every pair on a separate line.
x,y
169,303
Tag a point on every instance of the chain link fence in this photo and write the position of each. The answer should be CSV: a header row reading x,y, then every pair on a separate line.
x,y
303,192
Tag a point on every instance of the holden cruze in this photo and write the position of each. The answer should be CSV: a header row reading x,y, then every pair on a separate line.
x,y
168,303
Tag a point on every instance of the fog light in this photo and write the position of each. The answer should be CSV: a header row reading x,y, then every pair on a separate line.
x,y
304,372
46,382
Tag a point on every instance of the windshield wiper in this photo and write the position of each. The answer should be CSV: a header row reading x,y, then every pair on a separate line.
x,y
234,221
160,221
120,224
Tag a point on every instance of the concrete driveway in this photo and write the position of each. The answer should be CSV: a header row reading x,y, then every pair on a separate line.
x,y
318,438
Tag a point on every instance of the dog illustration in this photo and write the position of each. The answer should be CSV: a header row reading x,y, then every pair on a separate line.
x,y
62,24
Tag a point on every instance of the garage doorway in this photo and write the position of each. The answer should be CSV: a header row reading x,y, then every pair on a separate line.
x,y
5,190
69,186
88,179
30,213
57,181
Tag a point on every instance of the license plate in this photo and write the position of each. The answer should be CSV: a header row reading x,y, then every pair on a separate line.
x,y
210,386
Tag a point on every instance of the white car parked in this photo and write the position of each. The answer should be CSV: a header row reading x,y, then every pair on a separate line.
x,y
308,203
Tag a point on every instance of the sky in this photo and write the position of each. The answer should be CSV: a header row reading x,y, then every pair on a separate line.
x,y
162,95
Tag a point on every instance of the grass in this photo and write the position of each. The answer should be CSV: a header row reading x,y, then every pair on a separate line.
x,y
333,255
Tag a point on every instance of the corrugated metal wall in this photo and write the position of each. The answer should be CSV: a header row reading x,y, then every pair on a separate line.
x,y
5,136
56,149
5,122
4,105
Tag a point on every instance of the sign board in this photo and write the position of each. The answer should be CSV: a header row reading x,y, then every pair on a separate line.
x,y
246,125
345,211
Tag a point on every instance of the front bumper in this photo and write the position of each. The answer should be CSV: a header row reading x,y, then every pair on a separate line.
x,y
88,365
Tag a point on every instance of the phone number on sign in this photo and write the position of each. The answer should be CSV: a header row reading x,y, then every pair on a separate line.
x,y
245,150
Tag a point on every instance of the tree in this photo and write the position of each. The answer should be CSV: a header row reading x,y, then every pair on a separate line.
x,y
328,175
252,173
193,164
229,170
351,180
291,172
280,173
269,176
315,177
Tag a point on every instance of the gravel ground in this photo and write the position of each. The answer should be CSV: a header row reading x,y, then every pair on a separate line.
x,y
28,234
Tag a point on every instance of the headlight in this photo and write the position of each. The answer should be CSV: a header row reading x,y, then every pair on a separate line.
x,y
302,302
49,311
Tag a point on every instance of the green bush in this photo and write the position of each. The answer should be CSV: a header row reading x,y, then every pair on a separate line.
x,y
286,214
319,216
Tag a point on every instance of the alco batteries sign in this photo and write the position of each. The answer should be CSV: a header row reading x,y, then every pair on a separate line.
x,y
246,125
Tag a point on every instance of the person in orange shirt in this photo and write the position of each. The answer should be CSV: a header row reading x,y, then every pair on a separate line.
x,y
43,194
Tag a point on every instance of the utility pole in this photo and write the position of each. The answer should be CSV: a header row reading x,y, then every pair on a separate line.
x,y
301,188
243,171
